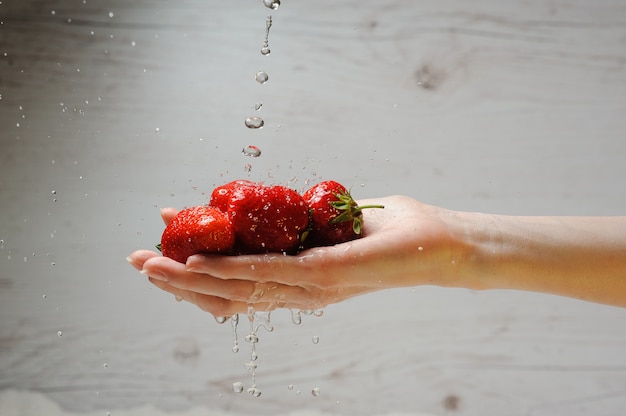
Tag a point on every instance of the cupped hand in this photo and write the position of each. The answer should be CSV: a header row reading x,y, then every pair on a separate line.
x,y
403,244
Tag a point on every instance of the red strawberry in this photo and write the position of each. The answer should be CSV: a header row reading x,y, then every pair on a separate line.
x,y
267,218
201,229
220,196
335,216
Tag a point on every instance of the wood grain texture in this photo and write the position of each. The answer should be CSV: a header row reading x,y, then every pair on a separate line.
x,y
111,109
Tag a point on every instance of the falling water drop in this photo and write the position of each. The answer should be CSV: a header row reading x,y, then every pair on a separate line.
x,y
238,387
315,339
254,392
296,317
315,391
251,366
261,77
251,151
234,320
254,122
221,319
272,4
258,106
265,50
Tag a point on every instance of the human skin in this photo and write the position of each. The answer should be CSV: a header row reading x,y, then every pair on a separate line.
x,y
408,244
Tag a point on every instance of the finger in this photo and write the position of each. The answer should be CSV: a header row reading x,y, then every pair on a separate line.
x,y
246,291
139,257
318,268
216,306
176,275
271,267
168,214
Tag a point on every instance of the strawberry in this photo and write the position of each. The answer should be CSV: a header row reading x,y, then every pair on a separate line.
x,y
200,229
335,216
267,218
220,196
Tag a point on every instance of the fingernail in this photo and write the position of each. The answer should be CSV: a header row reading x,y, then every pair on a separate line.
x,y
154,275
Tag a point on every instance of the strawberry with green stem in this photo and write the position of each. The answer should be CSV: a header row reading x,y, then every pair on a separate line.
x,y
335,217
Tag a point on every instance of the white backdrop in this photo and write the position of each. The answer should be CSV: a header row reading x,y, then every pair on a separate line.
x,y
112,109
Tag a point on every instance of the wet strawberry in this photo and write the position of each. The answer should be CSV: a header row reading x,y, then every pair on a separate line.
x,y
220,196
335,216
200,229
267,218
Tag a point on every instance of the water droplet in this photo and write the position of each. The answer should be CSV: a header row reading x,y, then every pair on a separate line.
x,y
252,338
234,320
315,391
221,319
157,129
296,317
251,151
254,122
290,386
261,77
315,339
111,14
272,4
420,248
258,106
250,366
178,298
265,50
238,387
60,333
248,167
253,391
263,319
105,365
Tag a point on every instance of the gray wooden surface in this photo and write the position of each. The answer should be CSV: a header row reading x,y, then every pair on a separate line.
x,y
110,109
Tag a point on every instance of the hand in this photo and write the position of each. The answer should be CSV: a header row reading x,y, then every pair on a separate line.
x,y
404,244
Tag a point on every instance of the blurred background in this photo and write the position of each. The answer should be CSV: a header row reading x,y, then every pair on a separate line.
x,y
110,110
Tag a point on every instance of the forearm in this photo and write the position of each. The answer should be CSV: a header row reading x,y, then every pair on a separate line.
x,y
580,257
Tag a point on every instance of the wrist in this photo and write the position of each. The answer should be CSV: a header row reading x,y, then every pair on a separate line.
x,y
474,248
